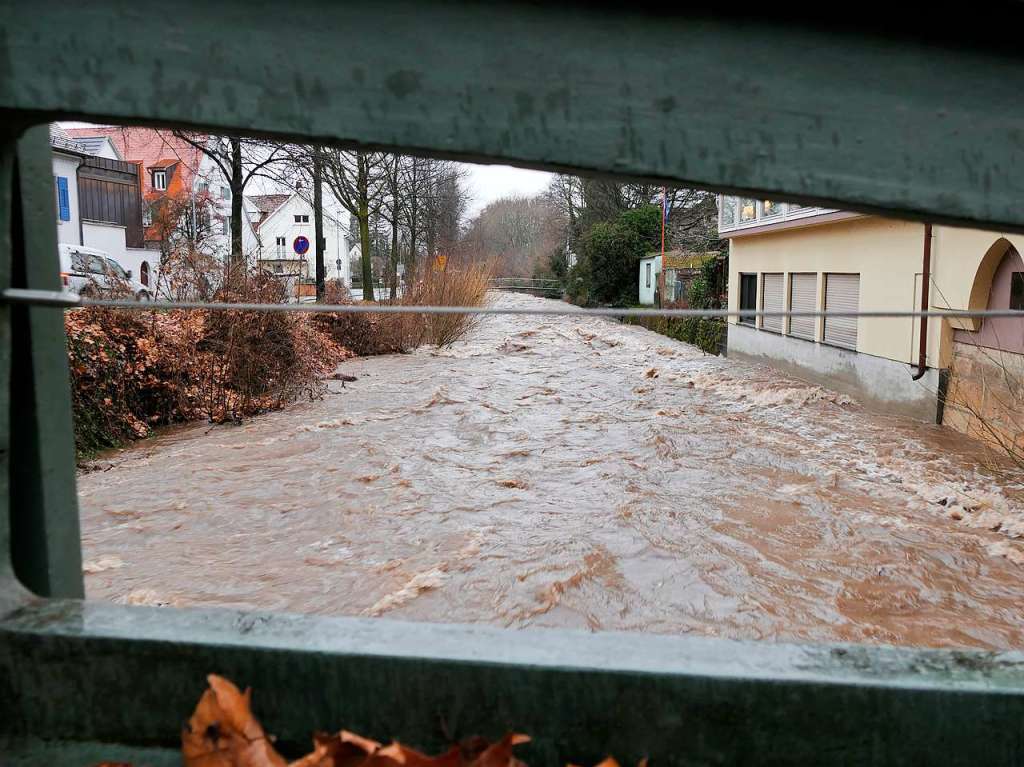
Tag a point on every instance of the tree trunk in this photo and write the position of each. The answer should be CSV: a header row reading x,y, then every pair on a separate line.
x,y
394,253
363,190
318,224
237,190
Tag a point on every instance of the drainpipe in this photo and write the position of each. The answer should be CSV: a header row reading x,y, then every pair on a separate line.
x,y
926,278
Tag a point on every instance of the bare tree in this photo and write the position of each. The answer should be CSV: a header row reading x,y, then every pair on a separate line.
x,y
240,160
354,177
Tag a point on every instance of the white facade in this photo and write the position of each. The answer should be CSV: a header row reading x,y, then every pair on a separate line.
x,y
650,268
293,219
65,166
209,181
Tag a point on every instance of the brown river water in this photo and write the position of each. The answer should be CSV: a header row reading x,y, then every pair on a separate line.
x,y
577,473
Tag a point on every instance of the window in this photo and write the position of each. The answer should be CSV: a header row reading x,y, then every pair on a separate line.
x,y
225,225
280,244
748,210
144,273
772,300
160,180
842,294
301,219
728,210
770,208
203,187
1017,291
748,296
94,264
648,274
147,216
225,193
63,200
114,269
803,297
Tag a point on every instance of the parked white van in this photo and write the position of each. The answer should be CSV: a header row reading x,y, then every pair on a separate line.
x,y
92,272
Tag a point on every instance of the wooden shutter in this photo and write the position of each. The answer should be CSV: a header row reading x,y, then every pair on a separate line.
x,y
803,297
63,202
772,301
842,293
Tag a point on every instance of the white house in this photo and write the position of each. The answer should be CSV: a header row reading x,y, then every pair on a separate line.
x,y
98,201
286,241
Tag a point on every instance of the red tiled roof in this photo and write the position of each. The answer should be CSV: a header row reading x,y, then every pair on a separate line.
x,y
152,148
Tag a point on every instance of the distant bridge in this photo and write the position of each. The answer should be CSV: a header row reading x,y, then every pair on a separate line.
x,y
550,288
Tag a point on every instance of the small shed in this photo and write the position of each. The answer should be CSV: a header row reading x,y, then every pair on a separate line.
x,y
650,268
679,270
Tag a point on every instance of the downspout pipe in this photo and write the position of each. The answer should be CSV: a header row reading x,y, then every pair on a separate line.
x,y
926,278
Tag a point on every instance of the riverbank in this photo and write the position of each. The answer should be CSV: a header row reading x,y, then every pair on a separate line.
x,y
571,472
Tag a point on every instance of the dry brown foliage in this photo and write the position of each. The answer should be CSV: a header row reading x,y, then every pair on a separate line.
x,y
223,732
133,370
367,334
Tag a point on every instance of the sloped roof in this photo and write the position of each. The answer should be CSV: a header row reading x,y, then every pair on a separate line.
x,y
152,148
61,139
268,203
92,144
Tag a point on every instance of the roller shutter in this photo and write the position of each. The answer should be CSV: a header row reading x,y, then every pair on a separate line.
x,y
772,301
842,293
803,297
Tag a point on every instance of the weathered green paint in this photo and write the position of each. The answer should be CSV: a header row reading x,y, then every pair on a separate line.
x,y
45,539
104,673
921,116
850,117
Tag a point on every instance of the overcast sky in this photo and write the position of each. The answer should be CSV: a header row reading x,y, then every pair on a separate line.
x,y
489,182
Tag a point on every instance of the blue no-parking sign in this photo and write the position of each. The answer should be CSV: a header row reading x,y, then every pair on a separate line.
x,y
301,245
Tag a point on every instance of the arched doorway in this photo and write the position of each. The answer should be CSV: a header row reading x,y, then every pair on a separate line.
x,y
985,396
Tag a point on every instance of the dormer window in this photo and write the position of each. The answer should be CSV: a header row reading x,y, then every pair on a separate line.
x,y
160,180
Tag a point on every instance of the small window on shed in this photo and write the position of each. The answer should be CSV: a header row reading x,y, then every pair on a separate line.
x,y
1017,291
160,180
648,272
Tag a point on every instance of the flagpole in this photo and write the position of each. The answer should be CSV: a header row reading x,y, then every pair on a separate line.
x,y
664,210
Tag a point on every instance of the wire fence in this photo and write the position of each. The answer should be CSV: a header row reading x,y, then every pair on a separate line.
x,y
61,300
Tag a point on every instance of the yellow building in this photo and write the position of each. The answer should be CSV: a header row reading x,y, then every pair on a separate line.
x,y
796,257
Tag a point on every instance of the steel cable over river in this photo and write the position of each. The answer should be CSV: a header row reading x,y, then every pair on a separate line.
x,y
573,472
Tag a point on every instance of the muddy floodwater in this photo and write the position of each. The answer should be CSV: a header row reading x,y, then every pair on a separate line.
x,y
574,473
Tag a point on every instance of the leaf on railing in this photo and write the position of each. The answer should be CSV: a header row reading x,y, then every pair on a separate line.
x,y
223,732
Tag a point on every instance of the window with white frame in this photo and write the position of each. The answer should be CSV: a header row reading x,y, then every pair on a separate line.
x,y
301,219
160,180
280,244
803,297
772,300
748,297
842,294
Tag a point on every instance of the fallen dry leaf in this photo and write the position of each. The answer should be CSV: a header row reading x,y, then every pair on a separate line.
x,y
224,733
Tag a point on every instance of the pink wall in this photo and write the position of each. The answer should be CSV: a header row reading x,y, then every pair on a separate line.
x,y
1005,333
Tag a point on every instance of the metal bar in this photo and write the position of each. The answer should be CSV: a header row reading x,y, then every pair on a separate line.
x,y
61,300
45,540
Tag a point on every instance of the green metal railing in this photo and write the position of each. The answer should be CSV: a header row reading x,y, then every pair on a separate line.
x,y
921,121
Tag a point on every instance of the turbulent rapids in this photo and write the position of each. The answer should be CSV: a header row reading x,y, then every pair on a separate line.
x,y
572,472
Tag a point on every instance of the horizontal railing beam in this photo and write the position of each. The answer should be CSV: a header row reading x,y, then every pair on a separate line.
x,y
94,672
854,117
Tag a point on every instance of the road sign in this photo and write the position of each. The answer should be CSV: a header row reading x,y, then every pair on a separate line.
x,y
301,245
